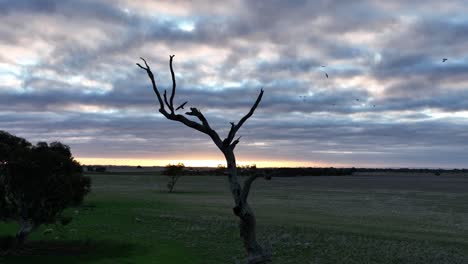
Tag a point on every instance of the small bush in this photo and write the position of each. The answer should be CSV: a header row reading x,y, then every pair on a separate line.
x,y
174,172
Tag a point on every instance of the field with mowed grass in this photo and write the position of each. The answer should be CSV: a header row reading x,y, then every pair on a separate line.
x,y
375,218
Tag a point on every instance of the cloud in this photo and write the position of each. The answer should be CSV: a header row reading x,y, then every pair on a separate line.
x,y
69,74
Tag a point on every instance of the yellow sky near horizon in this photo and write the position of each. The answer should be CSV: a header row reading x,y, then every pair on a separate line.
x,y
194,163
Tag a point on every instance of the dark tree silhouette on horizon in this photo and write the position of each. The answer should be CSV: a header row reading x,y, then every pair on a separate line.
x,y
247,224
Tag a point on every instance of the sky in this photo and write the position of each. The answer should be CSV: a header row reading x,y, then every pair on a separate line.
x,y
68,73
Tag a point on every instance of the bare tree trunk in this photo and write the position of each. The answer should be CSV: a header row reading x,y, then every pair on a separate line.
x,y
247,221
247,225
172,182
255,253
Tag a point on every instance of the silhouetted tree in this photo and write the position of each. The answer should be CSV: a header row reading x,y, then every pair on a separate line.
x,y
38,183
247,170
255,253
173,172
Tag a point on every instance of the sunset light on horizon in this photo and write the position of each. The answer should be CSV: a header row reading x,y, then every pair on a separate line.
x,y
341,89
195,163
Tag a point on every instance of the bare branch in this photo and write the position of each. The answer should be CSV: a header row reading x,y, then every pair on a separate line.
x,y
165,100
146,64
228,140
195,112
204,127
248,184
148,67
246,189
181,106
252,110
235,128
153,82
139,65
234,143
171,57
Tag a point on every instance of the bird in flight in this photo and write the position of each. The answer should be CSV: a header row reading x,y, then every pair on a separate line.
x,y
444,60
357,99
326,74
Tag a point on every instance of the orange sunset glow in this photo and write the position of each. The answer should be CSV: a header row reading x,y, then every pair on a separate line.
x,y
195,163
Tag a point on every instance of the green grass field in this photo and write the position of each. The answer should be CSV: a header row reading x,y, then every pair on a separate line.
x,y
129,218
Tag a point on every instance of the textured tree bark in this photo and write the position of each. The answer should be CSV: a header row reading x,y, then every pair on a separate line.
x,y
247,225
247,221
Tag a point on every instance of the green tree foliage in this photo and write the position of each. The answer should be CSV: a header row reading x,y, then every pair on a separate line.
x,y
38,182
174,172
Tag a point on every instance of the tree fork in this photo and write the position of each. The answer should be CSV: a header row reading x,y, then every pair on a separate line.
x,y
247,220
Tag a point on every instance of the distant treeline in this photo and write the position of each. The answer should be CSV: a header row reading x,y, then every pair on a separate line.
x,y
101,169
435,171
330,171
294,172
247,170
275,172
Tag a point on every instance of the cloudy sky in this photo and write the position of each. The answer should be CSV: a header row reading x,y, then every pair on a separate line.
x,y
68,73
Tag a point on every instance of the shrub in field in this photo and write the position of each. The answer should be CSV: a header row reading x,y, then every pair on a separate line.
x,y
174,172
37,183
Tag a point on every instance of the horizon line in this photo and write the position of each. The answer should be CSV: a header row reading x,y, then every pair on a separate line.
x,y
213,163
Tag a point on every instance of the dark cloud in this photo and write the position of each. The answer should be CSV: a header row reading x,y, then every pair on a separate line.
x,y
69,74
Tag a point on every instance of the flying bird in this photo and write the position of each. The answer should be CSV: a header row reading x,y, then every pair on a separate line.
x,y
326,74
181,106
444,60
357,99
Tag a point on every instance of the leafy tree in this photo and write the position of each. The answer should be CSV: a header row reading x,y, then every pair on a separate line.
x,y
37,183
174,172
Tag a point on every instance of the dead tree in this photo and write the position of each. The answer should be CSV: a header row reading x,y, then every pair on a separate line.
x,y
247,224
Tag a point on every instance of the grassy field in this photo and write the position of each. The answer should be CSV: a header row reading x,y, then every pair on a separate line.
x,y
129,218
